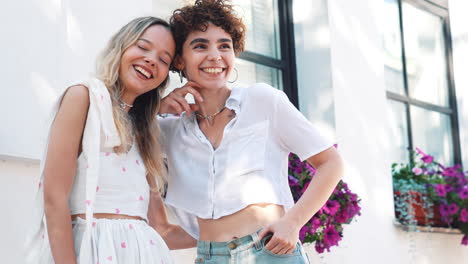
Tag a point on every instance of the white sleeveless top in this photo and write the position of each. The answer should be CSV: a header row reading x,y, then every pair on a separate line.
x,y
100,135
122,187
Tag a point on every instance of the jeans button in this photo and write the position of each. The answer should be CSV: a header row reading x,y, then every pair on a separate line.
x,y
232,245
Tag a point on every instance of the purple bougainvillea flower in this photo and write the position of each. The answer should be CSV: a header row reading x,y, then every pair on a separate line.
x,y
342,217
319,247
417,171
444,210
331,207
450,172
303,232
464,215
430,171
449,188
440,189
427,159
420,151
305,187
309,167
331,237
453,208
293,181
463,194
315,223
465,240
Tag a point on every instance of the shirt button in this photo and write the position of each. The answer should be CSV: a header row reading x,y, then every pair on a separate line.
x,y
232,245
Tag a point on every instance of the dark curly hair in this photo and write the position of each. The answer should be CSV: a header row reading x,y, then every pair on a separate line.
x,y
197,16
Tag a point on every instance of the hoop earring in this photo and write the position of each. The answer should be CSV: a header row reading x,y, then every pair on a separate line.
x,y
237,75
181,76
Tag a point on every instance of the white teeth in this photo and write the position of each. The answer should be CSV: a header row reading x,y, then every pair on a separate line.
x,y
142,71
213,70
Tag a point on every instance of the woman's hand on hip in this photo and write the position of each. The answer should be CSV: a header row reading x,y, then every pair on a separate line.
x,y
284,239
175,102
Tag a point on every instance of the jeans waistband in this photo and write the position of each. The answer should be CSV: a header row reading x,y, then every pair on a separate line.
x,y
209,248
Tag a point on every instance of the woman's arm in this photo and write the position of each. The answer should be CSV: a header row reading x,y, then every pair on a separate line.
x,y
59,171
329,170
174,236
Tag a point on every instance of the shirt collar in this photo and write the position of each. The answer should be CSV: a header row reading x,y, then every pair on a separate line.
x,y
233,102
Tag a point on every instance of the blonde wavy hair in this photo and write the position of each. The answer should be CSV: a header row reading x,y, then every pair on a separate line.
x,y
139,124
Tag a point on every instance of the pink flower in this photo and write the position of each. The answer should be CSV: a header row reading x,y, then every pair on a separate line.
x,y
331,237
449,188
319,247
465,240
449,172
303,232
444,210
453,208
427,159
331,207
464,215
440,189
315,223
417,171
305,187
463,194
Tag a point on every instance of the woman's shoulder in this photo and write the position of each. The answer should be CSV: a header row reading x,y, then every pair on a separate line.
x,y
262,88
76,94
261,93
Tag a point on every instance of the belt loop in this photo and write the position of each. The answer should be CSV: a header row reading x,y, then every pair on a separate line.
x,y
256,240
205,248
208,250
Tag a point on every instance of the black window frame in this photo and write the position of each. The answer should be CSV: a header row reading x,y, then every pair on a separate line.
x,y
439,9
287,63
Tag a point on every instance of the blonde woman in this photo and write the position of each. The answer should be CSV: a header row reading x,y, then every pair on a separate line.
x,y
98,195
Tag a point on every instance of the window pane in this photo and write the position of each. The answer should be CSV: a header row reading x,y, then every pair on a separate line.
x,y
392,47
261,20
250,73
432,133
425,55
398,132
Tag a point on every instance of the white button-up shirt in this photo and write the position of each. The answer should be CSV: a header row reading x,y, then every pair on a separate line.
x,y
251,163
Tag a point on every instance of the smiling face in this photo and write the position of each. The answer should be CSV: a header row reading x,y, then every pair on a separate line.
x,y
145,64
207,57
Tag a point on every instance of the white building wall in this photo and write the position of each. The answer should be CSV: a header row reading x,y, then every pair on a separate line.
x,y
363,134
356,75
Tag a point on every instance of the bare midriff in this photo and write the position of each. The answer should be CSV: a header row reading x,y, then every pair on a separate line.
x,y
239,224
106,216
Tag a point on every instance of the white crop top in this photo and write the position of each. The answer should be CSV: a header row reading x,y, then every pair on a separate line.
x,y
122,185
249,166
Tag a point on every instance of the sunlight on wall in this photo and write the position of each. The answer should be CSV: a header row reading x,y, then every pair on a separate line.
x,y
52,9
74,35
43,91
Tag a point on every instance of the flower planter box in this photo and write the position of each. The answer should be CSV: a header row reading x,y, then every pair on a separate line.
x,y
423,215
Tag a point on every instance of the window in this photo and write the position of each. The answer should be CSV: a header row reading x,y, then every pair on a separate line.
x,y
419,82
269,51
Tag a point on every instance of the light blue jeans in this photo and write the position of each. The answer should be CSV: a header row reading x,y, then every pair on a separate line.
x,y
246,250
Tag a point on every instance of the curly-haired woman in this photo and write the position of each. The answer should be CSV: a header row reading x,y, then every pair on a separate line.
x,y
227,155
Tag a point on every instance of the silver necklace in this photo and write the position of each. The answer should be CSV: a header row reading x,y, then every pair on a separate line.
x,y
124,105
209,117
